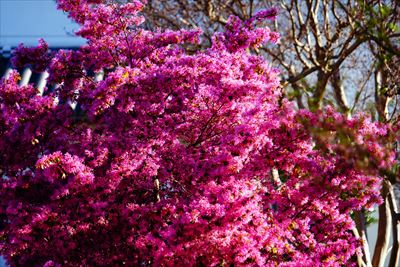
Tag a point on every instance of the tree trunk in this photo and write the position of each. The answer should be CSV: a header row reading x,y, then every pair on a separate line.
x,y
384,228
315,102
362,231
381,95
340,95
395,253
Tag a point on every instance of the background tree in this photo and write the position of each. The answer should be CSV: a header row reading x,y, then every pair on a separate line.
x,y
330,51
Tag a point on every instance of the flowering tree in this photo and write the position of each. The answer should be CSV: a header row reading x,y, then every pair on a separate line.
x,y
175,158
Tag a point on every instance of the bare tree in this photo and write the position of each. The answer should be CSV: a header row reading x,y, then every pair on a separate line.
x,y
324,45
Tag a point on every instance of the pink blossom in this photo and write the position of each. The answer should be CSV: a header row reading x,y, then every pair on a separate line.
x,y
176,159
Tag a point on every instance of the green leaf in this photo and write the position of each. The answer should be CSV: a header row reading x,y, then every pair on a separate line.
x,y
384,11
393,27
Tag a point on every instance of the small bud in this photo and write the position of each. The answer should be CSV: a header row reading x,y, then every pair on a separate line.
x,y
35,141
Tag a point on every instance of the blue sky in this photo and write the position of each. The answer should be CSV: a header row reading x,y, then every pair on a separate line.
x,y
29,20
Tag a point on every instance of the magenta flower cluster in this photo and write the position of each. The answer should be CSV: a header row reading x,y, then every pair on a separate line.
x,y
173,159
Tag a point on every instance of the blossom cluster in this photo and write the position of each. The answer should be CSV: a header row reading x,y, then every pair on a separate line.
x,y
175,159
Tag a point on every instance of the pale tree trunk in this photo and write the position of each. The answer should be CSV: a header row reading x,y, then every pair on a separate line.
x,y
362,232
360,261
384,227
395,253
340,95
381,95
